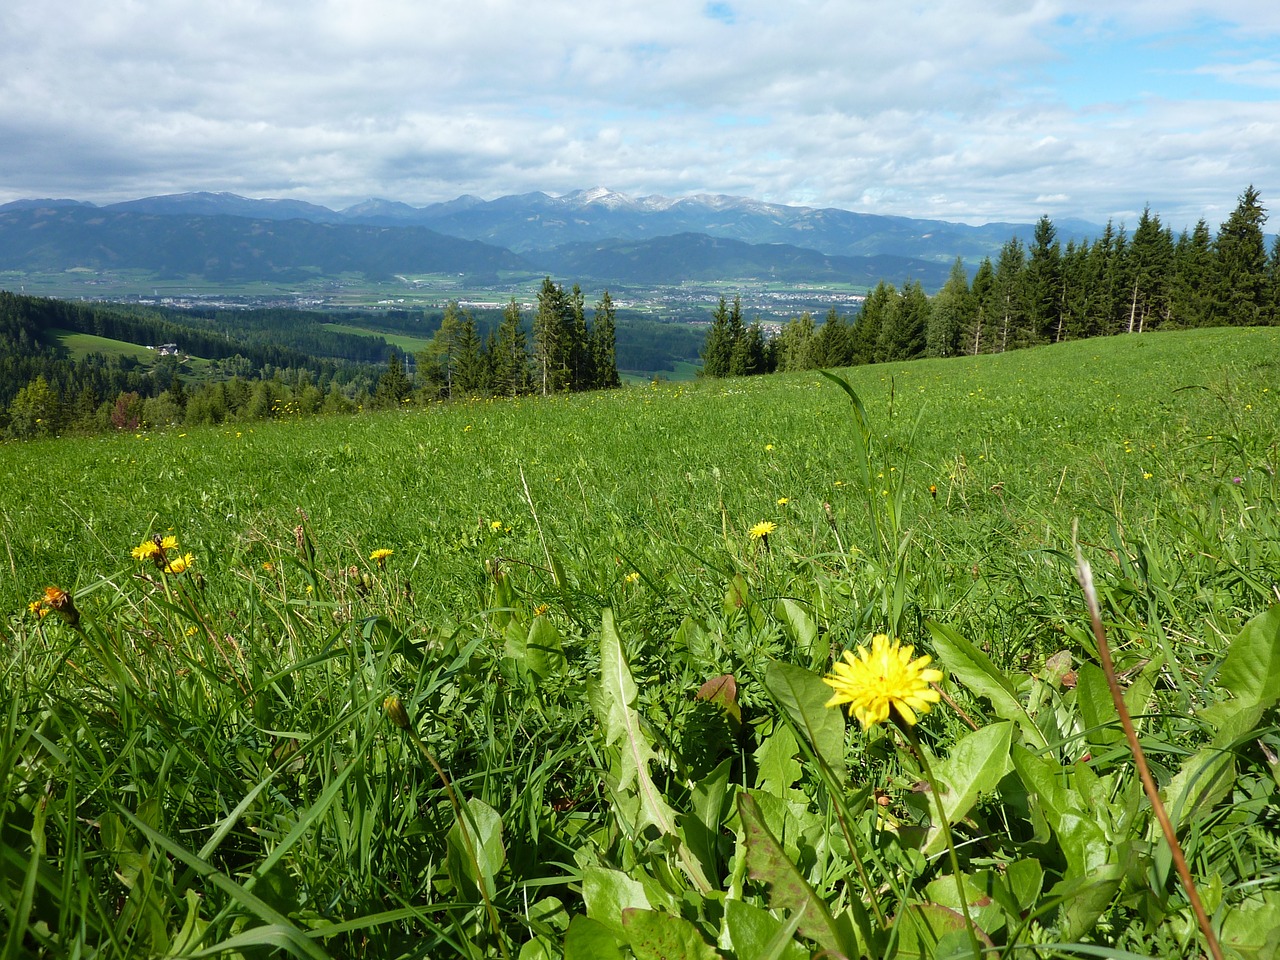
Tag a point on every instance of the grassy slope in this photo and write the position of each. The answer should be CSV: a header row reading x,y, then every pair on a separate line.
x,y
1019,443
256,686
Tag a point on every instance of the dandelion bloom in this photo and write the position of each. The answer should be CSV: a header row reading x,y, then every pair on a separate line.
x,y
180,564
146,550
783,501
762,530
882,680
380,555
169,543
495,525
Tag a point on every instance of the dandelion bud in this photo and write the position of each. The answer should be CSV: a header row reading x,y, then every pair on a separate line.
x,y
61,602
396,712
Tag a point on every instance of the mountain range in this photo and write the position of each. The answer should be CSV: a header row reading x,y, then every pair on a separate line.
x,y
592,234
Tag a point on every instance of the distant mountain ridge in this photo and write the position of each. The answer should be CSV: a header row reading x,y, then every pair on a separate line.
x,y
596,233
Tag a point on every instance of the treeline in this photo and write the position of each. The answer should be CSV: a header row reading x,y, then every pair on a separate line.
x,y
1036,294
567,353
44,391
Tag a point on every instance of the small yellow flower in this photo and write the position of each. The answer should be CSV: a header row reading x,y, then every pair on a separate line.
x,y
179,565
380,555
540,609
783,501
762,530
1146,476
768,448
268,566
396,712
169,543
495,525
39,607
146,550
632,577
882,680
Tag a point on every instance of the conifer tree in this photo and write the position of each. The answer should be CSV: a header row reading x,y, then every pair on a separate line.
x,y
975,335
1242,264
510,356
552,338
469,376
1043,286
393,385
1010,296
604,344
950,309
719,346
581,359
877,310
833,344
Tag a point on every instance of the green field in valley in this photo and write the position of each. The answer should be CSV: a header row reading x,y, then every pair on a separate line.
x,y
500,739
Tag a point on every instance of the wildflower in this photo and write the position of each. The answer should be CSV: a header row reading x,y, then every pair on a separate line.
x,y
396,712
768,448
1237,480
59,601
783,501
883,680
1146,476
495,525
179,565
380,555
146,550
762,530
933,490
169,543
268,566
540,609
632,578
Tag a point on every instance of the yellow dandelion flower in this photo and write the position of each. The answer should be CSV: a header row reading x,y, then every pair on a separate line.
x,y
762,530
783,501
145,550
495,525
180,565
380,555
768,447
169,543
268,566
540,609
38,607
883,680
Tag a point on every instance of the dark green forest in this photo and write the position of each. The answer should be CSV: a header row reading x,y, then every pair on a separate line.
x,y
1032,295
272,363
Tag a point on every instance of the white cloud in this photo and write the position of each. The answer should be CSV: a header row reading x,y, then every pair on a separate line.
x,y
947,109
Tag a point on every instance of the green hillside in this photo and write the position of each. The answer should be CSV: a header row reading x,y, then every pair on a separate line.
x,y
497,739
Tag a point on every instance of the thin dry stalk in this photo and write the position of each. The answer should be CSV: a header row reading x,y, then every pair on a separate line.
x,y
1085,576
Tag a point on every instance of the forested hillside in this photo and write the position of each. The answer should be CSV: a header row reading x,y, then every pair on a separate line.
x,y
1042,293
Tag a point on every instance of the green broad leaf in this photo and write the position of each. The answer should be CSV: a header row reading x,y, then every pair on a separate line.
x,y
1082,840
803,696
588,939
776,765
768,862
1097,708
926,930
614,700
979,675
1251,670
538,949
1252,929
799,628
975,765
750,931
1086,898
986,912
655,935
543,653
606,893
475,849
1203,781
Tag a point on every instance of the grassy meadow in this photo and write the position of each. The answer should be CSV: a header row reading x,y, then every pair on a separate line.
x,y
537,678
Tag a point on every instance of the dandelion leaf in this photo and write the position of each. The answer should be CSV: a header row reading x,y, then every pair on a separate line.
x,y
803,696
769,863
655,935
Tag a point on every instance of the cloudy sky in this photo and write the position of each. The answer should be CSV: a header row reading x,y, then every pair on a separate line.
x,y
965,110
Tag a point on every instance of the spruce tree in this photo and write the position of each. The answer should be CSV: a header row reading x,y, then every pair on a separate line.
x,y
604,349
1242,264
951,307
719,345
510,356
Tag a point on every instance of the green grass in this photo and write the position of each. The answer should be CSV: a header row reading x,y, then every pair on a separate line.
x,y
206,755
